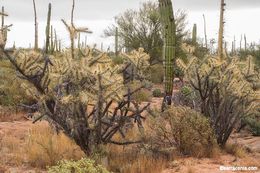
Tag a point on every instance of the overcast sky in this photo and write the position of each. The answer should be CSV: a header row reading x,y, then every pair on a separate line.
x,y
241,17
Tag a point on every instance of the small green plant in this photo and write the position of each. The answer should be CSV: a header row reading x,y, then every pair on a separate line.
x,y
82,166
157,93
117,60
186,90
254,125
157,74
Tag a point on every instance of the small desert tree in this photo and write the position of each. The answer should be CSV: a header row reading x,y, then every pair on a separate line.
x,y
142,28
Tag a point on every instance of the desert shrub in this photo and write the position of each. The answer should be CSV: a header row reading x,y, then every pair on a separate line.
x,y
254,125
143,95
183,129
157,74
118,60
235,149
46,148
186,97
11,92
157,93
81,166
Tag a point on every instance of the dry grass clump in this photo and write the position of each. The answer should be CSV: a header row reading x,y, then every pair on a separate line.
x,y
10,147
143,95
130,160
9,114
235,149
45,148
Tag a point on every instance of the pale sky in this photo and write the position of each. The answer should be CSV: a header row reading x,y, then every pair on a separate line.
x,y
241,17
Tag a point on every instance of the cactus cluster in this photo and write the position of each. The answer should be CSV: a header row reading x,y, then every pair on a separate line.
x,y
225,90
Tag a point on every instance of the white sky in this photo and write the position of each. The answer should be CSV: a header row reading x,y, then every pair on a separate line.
x,y
241,18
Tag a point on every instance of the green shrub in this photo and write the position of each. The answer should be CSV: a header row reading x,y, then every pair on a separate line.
x,y
82,166
186,90
157,73
254,125
118,60
186,97
157,93
11,92
184,129
143,95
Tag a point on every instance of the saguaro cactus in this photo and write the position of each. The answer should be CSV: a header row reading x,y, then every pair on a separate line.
x,y
169,50
194,34
3,17
245,42
35,27
116,42
48,26
221,29
205,31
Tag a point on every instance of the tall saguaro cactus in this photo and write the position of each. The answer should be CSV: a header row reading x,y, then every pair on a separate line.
x,y
245,42
205,31
35,27
221,29
3,17
116,42
194,34
169,50
48,28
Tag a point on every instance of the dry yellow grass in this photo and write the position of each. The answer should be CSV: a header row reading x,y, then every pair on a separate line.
x,y
46,148
127,160
236,150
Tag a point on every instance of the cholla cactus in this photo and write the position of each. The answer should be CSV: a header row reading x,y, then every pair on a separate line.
x,y
225,91
65,88
138,64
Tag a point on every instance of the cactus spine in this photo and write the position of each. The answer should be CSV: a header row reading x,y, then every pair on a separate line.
x,y
194,34
47,43
169,50
35,27
116,42
221,29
